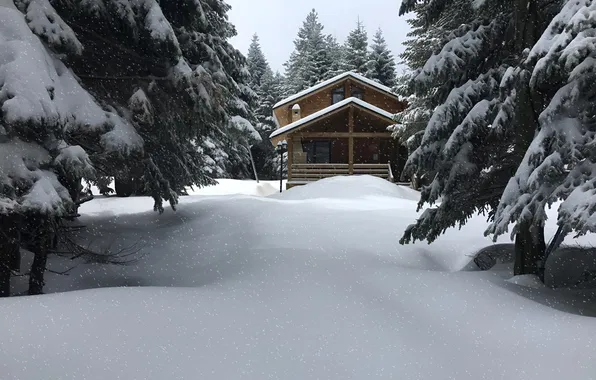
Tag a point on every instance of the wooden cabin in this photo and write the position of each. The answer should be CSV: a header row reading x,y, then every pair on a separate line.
x,y
339,127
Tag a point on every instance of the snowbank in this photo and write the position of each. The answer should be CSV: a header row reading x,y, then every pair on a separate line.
x,y
308,284
233,187
350,187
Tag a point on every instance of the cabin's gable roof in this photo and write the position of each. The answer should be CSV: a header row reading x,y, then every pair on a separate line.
x,y
331,81
326,111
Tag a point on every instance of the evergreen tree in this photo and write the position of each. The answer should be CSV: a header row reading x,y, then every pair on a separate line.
x,y
410,124
560,163
425,37
268,88
274,95
356,50
336,56
309,62
170,99
478,135
381,65
257,64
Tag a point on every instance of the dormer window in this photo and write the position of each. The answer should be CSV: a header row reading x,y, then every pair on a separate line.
x,y
358,93
338,95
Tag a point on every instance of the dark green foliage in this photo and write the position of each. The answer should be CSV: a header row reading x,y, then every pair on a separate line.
x,y
356,51
462,62
381,64
309,63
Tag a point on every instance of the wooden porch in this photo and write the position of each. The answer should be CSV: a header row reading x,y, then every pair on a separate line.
x,y
351,140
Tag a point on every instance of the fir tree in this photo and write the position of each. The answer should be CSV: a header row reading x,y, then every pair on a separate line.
x,y
170,100
257,64
309,62
426,36
381,65
356,50
275,95
478,134
336,56
268,88
560,163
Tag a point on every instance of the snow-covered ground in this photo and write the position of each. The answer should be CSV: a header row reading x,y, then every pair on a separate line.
x,y
308,284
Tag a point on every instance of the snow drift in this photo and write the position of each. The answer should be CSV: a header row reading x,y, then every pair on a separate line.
x,y
311,283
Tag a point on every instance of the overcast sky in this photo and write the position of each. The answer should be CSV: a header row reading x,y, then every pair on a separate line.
x,y
277,22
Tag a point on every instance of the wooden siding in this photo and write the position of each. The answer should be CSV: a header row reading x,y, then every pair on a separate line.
x,y
283,115
334,123
366,122
308,105
323,98
383,101
337,125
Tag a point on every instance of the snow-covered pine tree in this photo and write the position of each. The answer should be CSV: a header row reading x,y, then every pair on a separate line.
x,y
336,57
356,50
257,64
381,64
178,54
50,126
263,151
424,38
241,132
560,164
274,95
477,137
309,62
165,82
410,124
292,78
268,90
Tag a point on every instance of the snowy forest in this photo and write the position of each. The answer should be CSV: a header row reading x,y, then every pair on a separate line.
x,y
145,232
152,96
317,56
138,98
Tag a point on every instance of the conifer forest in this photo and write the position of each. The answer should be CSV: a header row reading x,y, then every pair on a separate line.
x,y
174,205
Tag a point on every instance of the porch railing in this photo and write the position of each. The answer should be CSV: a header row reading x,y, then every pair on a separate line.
x,y
314,172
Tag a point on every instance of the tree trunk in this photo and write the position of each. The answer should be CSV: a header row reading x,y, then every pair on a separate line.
x,y
530,248
40,246
10,256
124,187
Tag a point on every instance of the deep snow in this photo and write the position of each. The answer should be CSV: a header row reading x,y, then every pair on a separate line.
x,y
308,284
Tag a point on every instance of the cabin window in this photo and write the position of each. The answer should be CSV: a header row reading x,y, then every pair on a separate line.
x,y
317,152
338,95
358,93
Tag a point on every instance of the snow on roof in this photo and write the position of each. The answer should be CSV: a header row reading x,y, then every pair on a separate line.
x,y
339,77
329,109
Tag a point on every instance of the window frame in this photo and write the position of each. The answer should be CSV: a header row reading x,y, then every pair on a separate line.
x,y
357,93
340,92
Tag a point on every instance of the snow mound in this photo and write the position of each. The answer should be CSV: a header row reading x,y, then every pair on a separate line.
x,y
527,280
246,287
238,187
350,187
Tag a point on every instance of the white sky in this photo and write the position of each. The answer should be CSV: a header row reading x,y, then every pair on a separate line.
x,y
277,22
